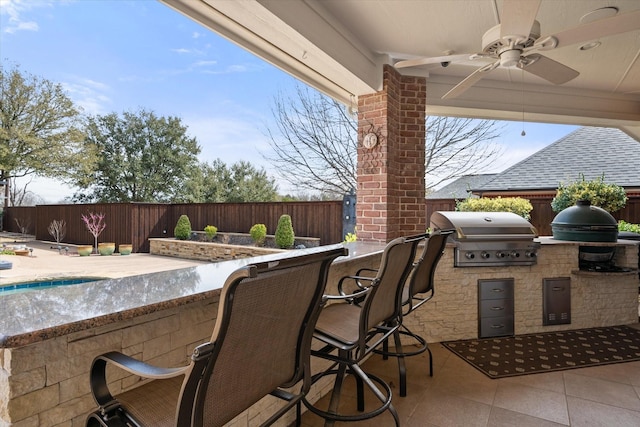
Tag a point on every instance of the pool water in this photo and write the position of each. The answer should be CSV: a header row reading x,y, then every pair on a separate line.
x,y
15,288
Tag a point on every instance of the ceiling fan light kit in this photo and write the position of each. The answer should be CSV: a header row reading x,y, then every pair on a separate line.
x,y
517,41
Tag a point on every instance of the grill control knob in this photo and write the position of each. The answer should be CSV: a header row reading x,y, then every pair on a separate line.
x,y
514,254
485,255
531,254
470,255
501,254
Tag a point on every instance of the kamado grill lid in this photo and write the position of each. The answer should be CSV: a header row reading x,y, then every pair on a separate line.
x,y
585,223
484,225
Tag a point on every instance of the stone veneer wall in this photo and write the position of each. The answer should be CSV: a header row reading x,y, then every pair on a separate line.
x,y
597,299
47,383
204,251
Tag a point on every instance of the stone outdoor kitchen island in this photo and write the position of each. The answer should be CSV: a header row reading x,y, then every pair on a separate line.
x,y
48,339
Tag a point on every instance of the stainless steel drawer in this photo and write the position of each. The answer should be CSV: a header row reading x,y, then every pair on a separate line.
x,y
496,326
495,289
496,307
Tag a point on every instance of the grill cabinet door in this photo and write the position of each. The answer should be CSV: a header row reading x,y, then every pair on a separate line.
x,y
556,302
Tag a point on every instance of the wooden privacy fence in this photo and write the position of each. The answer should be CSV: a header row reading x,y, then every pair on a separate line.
x,y
135,223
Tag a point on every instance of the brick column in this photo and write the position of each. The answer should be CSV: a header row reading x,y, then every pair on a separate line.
x,y
391,193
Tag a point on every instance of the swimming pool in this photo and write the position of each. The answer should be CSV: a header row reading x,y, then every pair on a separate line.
x,y
44,284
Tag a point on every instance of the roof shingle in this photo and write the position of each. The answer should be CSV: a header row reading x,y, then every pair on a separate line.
x,y
590,151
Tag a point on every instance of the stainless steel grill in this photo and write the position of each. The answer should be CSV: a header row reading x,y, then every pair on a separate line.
x,y
484,239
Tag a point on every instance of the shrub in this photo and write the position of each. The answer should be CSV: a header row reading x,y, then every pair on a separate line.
x,y
284,232
258,233
625,226
610,197
183,228
211,231
516,205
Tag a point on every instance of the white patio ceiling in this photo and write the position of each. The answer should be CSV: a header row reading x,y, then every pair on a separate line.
x,y
340,46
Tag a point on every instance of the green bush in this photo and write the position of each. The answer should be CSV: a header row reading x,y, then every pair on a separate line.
x,y
610,197
211,231
183,228
284,232
258,233
516,205
625,226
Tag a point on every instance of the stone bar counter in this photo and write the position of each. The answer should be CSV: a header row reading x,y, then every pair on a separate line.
x,y
596,298
49,337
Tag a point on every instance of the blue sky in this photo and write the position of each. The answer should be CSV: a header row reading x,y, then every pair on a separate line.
x,y
122,55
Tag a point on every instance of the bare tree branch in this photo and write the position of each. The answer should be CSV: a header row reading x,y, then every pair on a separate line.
x,y
315,144
459,146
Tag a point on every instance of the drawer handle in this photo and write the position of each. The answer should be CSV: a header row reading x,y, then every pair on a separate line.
x,y
558,288
497,308
497,326
497,290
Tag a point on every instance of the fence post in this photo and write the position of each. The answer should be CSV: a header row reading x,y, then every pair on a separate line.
x,y
348,214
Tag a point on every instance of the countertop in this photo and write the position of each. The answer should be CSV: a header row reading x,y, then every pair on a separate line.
x,y
32,316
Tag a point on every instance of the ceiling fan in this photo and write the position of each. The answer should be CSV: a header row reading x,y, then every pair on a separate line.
x,y
517,41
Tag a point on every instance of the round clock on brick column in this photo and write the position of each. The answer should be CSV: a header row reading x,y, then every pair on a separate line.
x,y
370,140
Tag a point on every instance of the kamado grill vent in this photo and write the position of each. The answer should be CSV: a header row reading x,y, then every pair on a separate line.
x,y
485,239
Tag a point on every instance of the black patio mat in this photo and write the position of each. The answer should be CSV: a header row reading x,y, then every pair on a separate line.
x,y
549,351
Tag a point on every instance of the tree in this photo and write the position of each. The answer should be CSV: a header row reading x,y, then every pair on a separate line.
x,y
241,182
141,158
39,129
20,196
457,147
315,144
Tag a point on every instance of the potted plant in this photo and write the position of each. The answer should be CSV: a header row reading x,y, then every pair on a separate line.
x,y
84,250
106,248
610,197
125,248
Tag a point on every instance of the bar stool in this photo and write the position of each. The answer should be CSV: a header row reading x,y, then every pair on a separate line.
x,y
419,289
354,330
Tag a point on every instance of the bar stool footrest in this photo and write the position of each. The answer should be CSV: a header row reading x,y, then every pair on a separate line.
x,y
356,417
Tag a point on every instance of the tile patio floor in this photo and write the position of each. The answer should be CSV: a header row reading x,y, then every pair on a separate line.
x,y
459,395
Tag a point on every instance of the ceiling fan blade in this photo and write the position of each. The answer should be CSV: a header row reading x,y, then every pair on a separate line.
x,y
548,69
431,60
470,80
518,16
626,22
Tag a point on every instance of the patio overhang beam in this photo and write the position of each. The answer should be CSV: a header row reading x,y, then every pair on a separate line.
x,y
258,30
489,99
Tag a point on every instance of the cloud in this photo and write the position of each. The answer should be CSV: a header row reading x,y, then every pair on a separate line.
x,y
15,10
204,63
182,51
90,95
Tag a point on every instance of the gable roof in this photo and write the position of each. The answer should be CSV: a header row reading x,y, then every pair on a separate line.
x,y
461,187
590,151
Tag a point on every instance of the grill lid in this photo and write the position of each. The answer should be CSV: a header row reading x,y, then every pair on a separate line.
x,y
583,222
484,225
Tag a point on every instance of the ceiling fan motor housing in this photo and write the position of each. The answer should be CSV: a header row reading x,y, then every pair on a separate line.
x,y
493,43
